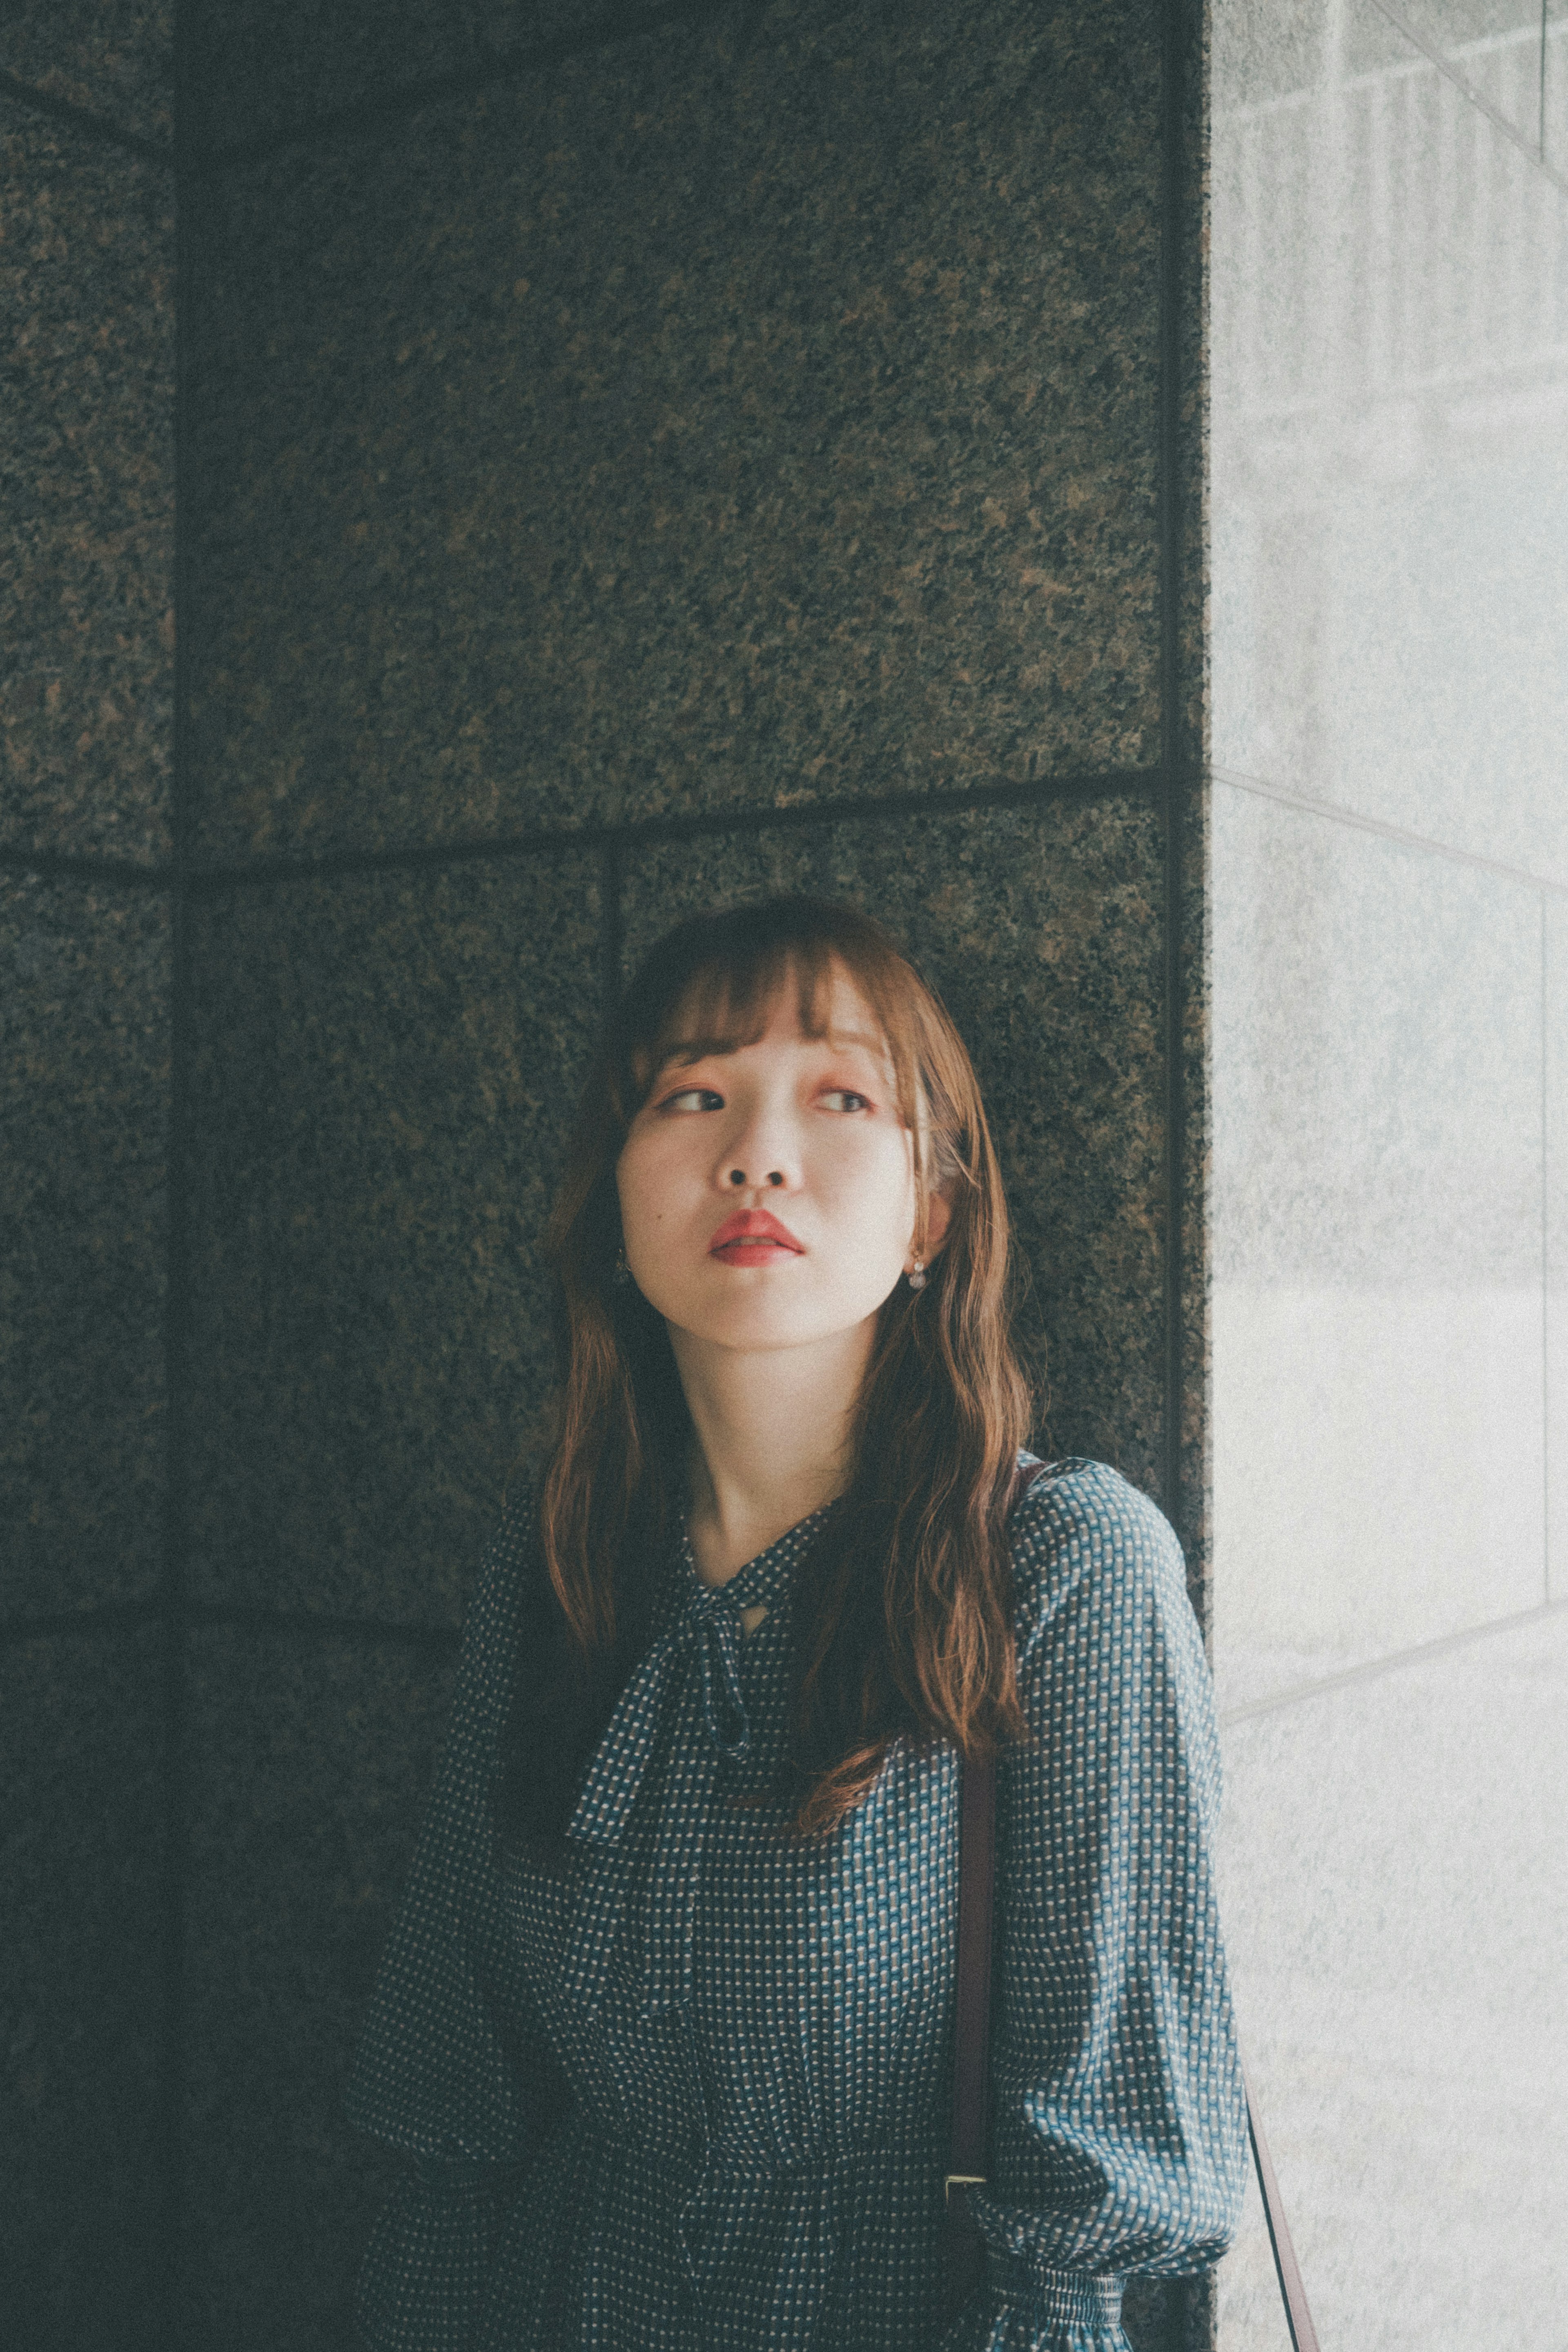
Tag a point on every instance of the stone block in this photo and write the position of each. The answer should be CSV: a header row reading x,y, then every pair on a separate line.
x,y
111,57
84,1108
81,1989
1389,508
87,551
1396,1924
307,1764
383,1069
757,411
1377,1205
263,73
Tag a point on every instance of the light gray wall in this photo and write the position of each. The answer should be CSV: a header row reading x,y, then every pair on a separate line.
x,y
1389,519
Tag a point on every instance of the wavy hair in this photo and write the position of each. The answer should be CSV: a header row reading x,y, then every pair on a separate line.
x,y
901,1612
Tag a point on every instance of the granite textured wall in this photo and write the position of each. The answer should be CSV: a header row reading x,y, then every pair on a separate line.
x,y
629,458
87,576
652,471
86,269
762,305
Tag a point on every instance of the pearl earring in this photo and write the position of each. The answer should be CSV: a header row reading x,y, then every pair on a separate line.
x,y
622,1274
917,1275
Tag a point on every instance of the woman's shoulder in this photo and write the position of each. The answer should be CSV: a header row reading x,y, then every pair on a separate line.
x,y
507,1558
1083,1531
491,1620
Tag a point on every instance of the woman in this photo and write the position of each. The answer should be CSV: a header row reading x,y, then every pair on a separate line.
x,y
666,2019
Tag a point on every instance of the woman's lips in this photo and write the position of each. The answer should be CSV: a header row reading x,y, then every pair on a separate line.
x,y
753,1238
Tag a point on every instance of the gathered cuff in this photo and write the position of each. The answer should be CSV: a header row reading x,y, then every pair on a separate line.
x,y
1024,2307
1057,2298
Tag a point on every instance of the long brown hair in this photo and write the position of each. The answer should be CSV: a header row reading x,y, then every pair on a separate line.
x,y
925,1650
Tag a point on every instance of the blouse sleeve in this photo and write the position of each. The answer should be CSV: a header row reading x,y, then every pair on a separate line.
x,y
1119,2122
449,2066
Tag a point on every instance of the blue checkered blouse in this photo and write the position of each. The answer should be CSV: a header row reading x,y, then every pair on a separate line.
x,y
756,2038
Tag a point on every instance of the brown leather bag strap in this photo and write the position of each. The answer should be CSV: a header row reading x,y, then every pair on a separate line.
x,y
971,2133
963,2249
1303,2335
976,1889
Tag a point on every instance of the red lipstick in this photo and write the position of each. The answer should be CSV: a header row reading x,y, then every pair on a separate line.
x,y
753,1238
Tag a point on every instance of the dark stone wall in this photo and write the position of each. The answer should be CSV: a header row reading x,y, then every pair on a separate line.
x,y
833,333
719,459
84,1080
306,1761
82,1986
380,1063
86,592
111,59
86,276
620,469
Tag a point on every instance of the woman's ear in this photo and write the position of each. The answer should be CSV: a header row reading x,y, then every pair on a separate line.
x,y
938,1217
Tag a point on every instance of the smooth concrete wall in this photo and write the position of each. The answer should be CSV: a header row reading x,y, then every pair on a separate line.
x,y
86,270
622,476
1389,515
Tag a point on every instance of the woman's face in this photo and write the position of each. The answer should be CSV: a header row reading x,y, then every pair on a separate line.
x,y
767,1195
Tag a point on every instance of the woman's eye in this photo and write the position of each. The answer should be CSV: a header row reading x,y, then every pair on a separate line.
x,y
693,1098
846,1099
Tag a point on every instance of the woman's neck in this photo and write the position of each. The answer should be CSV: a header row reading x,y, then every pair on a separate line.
x,y
770,1439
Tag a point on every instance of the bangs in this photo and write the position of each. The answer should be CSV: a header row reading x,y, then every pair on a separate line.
x,y
713,985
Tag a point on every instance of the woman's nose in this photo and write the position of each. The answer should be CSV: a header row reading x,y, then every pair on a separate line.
x,y
763,1157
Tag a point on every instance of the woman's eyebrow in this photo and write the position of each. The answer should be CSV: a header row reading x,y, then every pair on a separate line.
x,y
695,1049
689,1050
875,1047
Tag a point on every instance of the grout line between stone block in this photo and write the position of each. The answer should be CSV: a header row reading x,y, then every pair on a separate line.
x,y
497,72
1467,87
1072,787
86,121
1397,1662
1173,36
171,2064
72,1624
51,867
1188,2318
1076,787
1310,805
